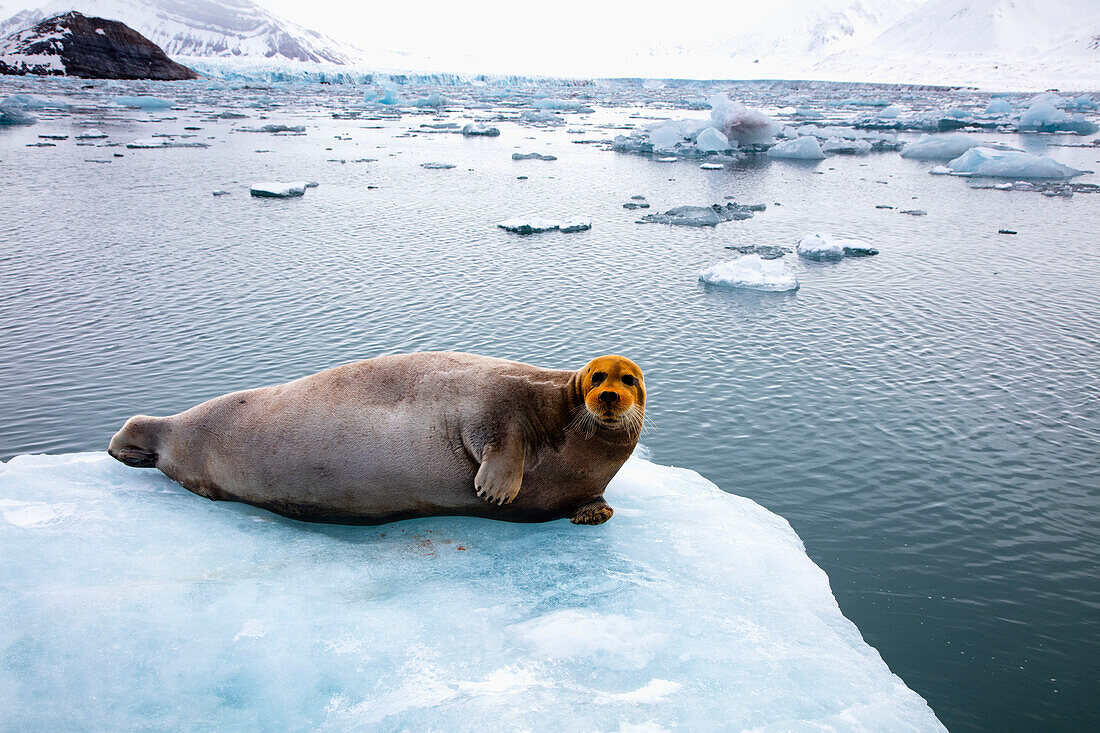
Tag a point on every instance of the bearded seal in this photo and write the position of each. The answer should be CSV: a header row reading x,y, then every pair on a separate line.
x,y
408,435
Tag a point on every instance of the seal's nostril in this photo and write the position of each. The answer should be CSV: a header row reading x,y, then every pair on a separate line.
x,y
609,398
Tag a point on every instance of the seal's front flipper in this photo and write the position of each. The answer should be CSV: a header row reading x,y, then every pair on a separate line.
x,y
501,473
596,511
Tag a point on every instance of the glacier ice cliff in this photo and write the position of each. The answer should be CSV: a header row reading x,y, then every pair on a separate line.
x,y
127,602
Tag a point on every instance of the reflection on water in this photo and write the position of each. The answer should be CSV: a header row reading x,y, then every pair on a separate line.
x,y
927,419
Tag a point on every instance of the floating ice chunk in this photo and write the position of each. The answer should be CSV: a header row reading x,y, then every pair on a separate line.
x,y
1042,116
702,216
386,94
570,226
741,124
998,107
941,170
753,273
541,116
10,116
692,606
712,140
890,112
824,247
143,102
946,146
846,147
275,189
480,129
802,148
535,225
221,192
437,166
31,101
1009,164
1082,102
532,156
91,134
162,142
274,128
712,166
568,105
435,99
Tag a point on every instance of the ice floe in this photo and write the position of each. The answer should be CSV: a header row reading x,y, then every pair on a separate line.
x,y
751,272
143,606
536,225
281,190
143,102
946,146
480,129
802,148
825,247
703,216
1009,164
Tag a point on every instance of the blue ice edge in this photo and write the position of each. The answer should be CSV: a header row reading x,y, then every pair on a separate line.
x,y
127,602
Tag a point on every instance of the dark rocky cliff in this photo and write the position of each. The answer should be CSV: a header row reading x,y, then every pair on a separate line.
x,y
72,44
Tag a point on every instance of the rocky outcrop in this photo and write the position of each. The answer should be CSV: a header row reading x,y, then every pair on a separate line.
x,y
72,44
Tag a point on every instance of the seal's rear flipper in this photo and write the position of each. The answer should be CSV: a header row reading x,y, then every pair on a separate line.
x,y
135,457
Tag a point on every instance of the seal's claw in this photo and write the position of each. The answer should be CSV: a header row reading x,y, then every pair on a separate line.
x,y
594,512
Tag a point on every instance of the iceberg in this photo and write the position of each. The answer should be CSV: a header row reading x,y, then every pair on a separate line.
x,y
751,272
802,148
946,146
274,189
739,123
998,107
143,102
435,99
825,247
130,603
386,95
1009,164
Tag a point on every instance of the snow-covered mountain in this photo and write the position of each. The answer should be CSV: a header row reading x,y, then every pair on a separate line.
x,y
1001,43
225,28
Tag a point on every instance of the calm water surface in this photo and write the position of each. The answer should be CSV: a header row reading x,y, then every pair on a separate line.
x,y
927,419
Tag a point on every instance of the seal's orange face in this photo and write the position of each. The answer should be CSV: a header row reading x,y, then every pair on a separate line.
x,y
614,393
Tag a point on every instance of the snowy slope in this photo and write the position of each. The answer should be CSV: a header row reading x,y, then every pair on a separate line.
x,y
204,28
1006,43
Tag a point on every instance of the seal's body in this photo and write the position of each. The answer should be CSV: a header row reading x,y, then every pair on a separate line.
x,y
404,436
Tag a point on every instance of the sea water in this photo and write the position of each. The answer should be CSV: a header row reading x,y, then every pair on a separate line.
x,y
928,419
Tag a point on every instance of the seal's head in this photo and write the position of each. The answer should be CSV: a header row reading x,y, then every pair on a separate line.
x,y
612,395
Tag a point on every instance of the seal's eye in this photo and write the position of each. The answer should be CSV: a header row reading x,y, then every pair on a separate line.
x,y
629,380
597,378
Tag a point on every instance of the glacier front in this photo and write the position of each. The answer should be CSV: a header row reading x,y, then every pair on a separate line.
x,y
127,602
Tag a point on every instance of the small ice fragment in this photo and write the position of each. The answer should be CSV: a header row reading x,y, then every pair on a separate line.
x,y
667,159
533,225
712,166
846,147
435,99
92,134
154,142
143,102
274,189
575,225
220,192
435,166
914,212
998,107
533,156
753,273
803,148
479,129
824,247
